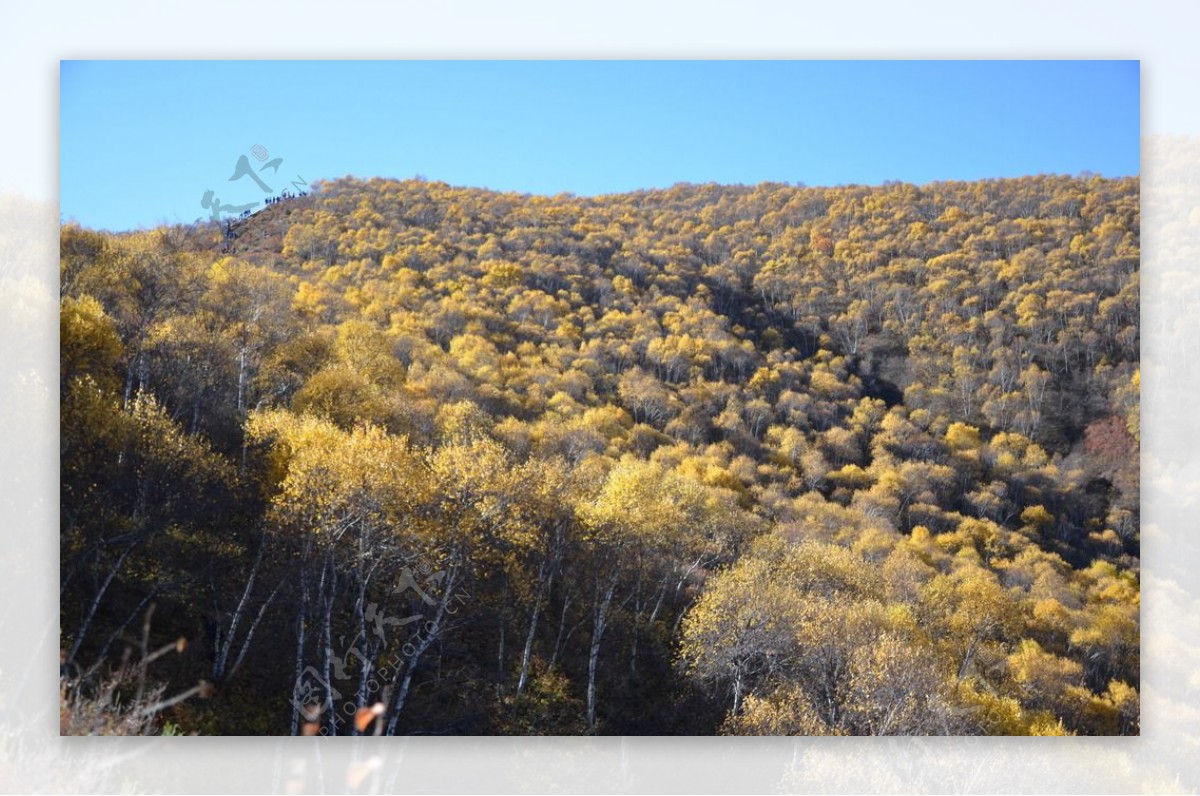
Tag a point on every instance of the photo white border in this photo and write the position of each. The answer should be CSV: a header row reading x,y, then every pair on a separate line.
x,y
33,38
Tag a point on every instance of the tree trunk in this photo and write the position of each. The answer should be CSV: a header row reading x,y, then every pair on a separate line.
x,y
83,628
301,623
430,631
737,692
600,619
241,387
545,578
562,626
327,595
222,656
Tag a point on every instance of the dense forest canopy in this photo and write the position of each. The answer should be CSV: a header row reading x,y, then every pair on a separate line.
x,y
712,459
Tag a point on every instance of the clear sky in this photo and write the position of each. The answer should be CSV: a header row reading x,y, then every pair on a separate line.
x,y
142,141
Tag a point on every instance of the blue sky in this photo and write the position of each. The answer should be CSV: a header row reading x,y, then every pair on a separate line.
x,y
141,141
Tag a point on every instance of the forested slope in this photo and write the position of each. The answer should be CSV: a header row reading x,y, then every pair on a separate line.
x,y
772,459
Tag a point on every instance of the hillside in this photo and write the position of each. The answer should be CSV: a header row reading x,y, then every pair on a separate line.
x,y
713,459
